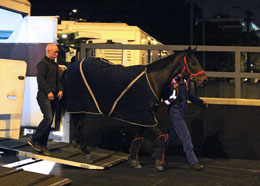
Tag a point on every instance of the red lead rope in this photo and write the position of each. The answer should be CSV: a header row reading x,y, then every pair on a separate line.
x,y
191,74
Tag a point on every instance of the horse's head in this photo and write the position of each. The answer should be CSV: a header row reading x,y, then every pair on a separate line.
x,y
191,68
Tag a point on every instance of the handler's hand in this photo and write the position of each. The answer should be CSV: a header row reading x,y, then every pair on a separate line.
x,y
176,85
205,104
51,96
60,94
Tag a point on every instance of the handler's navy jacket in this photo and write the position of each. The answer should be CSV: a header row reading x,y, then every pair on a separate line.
x,y
48,77
182,95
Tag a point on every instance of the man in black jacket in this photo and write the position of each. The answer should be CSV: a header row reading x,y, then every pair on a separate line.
x,y
50,91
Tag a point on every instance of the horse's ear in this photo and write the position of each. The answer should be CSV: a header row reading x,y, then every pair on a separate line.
x,y
188,51
194,50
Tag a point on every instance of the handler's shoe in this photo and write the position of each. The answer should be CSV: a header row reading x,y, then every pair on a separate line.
x,y
135,164
159,165
35,145
197,166
45,151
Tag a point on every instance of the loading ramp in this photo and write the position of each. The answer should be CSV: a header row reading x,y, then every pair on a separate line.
x,y
65,153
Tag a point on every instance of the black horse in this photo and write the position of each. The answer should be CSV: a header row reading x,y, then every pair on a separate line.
x,y
129,94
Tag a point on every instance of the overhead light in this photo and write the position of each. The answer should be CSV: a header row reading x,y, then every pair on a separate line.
x,y
64,36
154,42
143,41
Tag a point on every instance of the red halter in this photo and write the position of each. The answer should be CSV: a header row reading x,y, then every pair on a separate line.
x,y
186,67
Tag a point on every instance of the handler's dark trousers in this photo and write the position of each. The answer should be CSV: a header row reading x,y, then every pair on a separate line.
x,y
179,129
48,109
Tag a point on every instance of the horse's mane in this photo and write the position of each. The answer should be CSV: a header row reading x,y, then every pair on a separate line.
x,y
163,62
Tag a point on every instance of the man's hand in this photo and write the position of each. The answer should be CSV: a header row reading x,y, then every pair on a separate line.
x,y
60,94
205,104
176,85
51,96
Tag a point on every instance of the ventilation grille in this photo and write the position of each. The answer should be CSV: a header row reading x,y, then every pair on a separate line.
x,y
118,56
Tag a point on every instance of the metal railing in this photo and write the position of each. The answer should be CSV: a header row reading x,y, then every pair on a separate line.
x,y
237,50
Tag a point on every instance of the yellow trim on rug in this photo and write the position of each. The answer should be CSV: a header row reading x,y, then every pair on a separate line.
x,y
88,87
123,92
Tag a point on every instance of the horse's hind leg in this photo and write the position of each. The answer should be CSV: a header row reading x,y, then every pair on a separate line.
x,y
159,148
135,147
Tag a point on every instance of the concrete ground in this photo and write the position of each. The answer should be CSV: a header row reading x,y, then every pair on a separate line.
x,y
217,172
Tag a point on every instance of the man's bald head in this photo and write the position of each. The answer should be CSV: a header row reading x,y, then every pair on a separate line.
x,y
52,51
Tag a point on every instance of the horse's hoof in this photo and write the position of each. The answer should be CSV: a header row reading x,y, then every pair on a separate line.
x,y
88,156
74,144
159,165
160,168
135,164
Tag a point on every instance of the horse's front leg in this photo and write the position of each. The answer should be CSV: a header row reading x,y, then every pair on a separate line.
x,y
159,148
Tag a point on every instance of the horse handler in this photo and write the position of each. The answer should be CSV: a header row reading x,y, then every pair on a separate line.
x,y
176,94
50,91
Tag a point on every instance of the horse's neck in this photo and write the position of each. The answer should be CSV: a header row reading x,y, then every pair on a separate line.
x,y
161,72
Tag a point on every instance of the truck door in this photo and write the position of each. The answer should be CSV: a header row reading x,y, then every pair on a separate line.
x,y
12,80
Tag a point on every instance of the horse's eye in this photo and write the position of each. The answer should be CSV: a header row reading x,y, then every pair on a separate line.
x,y
193,63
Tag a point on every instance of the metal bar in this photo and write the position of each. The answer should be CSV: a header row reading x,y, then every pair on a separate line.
x,y
222,74
237,72
136,47
172,47
232,74
83,52
249,75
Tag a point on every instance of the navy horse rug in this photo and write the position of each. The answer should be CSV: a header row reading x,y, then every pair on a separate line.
x,y
96,86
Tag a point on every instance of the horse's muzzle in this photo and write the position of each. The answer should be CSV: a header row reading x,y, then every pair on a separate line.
x,y
202,83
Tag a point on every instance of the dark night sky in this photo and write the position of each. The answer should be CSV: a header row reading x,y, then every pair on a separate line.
x,y
166,20
226,6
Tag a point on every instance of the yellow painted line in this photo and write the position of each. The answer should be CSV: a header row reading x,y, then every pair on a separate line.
x,y
232,101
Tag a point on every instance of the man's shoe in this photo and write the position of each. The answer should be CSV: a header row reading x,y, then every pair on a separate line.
x,y
45,151
159,165
197,166
35,145
135,164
